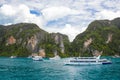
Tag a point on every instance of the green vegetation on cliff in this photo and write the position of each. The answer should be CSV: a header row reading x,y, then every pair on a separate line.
x,y
23,39
104,35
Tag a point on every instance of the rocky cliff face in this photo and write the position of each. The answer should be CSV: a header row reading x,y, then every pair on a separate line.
x,y
60,40
26,38
1,33
11,40
23,39
101,35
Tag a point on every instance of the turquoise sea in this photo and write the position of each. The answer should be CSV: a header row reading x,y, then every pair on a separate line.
x,y
27,69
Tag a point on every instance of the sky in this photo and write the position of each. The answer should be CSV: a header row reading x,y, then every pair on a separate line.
x,y
70,17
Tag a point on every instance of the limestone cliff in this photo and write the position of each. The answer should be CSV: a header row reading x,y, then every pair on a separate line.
x,y
102,35
58,38
11,40
24,39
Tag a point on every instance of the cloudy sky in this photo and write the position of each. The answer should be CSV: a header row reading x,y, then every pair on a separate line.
x,y
69,17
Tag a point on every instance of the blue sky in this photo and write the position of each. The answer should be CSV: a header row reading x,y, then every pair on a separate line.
x,y
69,17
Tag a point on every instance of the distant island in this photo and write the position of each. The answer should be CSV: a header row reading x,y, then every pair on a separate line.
x,y
25,39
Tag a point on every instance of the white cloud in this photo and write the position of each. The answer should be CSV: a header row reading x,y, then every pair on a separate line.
x,y
7,10
71,31
68,29
107,14
8,24
54,13
20,13
2,2
113,5
69,17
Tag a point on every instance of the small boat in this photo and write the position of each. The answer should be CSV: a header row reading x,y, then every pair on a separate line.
x,y
29,56
88,61
57,57
116,56
12,56
37,58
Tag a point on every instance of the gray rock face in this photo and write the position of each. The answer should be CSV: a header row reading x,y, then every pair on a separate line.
x,y
62,45
34,41
1,33
31,37
109,38
87,43
105,37
59,40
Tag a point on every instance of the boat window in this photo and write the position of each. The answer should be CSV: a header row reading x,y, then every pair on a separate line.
x,y
103,61
82,61
86,58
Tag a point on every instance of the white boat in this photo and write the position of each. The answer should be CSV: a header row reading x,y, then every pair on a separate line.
x,y
37,58
12,56
29,57
57,57
116,56
88,61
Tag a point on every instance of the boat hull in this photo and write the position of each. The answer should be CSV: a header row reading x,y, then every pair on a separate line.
x,y
104,63
37,58
78,64
55,58
88,61
13,57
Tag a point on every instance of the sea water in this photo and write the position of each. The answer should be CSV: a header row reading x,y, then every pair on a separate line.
x,y
27,69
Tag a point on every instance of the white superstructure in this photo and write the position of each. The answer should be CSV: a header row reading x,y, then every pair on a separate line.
x,y
57,57
37,58
88,61
12,56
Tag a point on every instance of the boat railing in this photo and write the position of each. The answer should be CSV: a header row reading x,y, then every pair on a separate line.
x,y
85,58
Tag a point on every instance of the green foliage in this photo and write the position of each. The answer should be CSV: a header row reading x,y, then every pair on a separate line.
x,y
20,32
14,50
99,31
23,32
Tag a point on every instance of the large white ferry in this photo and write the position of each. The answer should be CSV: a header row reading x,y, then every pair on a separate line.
x,y
88,61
